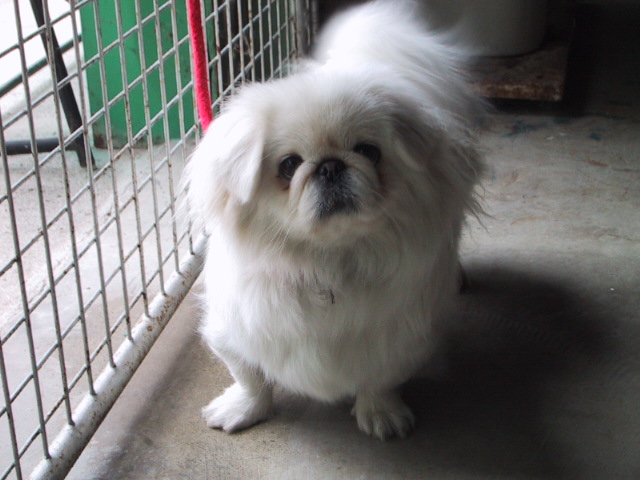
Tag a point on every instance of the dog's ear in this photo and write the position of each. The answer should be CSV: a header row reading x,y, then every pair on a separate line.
x,y
435,143
415,137
226,165
432,137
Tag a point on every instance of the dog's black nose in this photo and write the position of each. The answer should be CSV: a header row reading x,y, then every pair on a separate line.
x,y
331,169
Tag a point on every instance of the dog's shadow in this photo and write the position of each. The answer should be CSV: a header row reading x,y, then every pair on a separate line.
x,y
532,381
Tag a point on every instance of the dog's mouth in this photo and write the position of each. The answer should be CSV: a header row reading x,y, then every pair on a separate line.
x,y
335,192
334,200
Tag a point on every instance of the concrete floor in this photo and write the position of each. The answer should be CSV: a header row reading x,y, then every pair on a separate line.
x,y
540,373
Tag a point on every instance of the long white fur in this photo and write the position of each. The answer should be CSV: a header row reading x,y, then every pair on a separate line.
x,y
340,307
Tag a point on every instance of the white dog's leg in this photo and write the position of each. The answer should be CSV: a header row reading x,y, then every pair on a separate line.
x,y
383,415
243,404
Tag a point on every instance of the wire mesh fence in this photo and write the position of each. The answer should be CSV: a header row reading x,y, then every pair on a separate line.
x,y
96,123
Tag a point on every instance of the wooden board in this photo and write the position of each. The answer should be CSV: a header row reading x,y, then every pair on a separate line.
x,y
539,75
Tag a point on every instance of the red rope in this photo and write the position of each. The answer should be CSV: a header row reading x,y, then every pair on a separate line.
x,y
200,64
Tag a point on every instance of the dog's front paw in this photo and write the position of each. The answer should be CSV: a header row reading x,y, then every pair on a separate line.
x,y
383,415
237,408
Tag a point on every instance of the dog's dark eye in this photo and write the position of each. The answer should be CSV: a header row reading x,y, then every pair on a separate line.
x,y
370,151
288,166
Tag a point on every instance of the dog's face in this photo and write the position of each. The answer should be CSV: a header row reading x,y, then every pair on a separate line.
x,y
314,158
327,162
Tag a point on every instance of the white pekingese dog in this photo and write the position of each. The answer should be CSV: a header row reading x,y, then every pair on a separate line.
x,y
334,199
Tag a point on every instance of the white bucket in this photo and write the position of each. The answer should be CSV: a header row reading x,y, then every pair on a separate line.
x,y
492,27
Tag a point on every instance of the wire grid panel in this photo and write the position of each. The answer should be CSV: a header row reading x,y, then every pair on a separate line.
x,y
94,132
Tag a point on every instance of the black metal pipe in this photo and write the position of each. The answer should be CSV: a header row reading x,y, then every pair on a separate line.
x,y
35,68
19,147
67,97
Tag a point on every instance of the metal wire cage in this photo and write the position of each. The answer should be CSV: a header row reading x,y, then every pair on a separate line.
x,y
96,123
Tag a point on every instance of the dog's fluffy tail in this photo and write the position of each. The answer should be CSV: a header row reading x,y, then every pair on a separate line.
x,y
394,33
